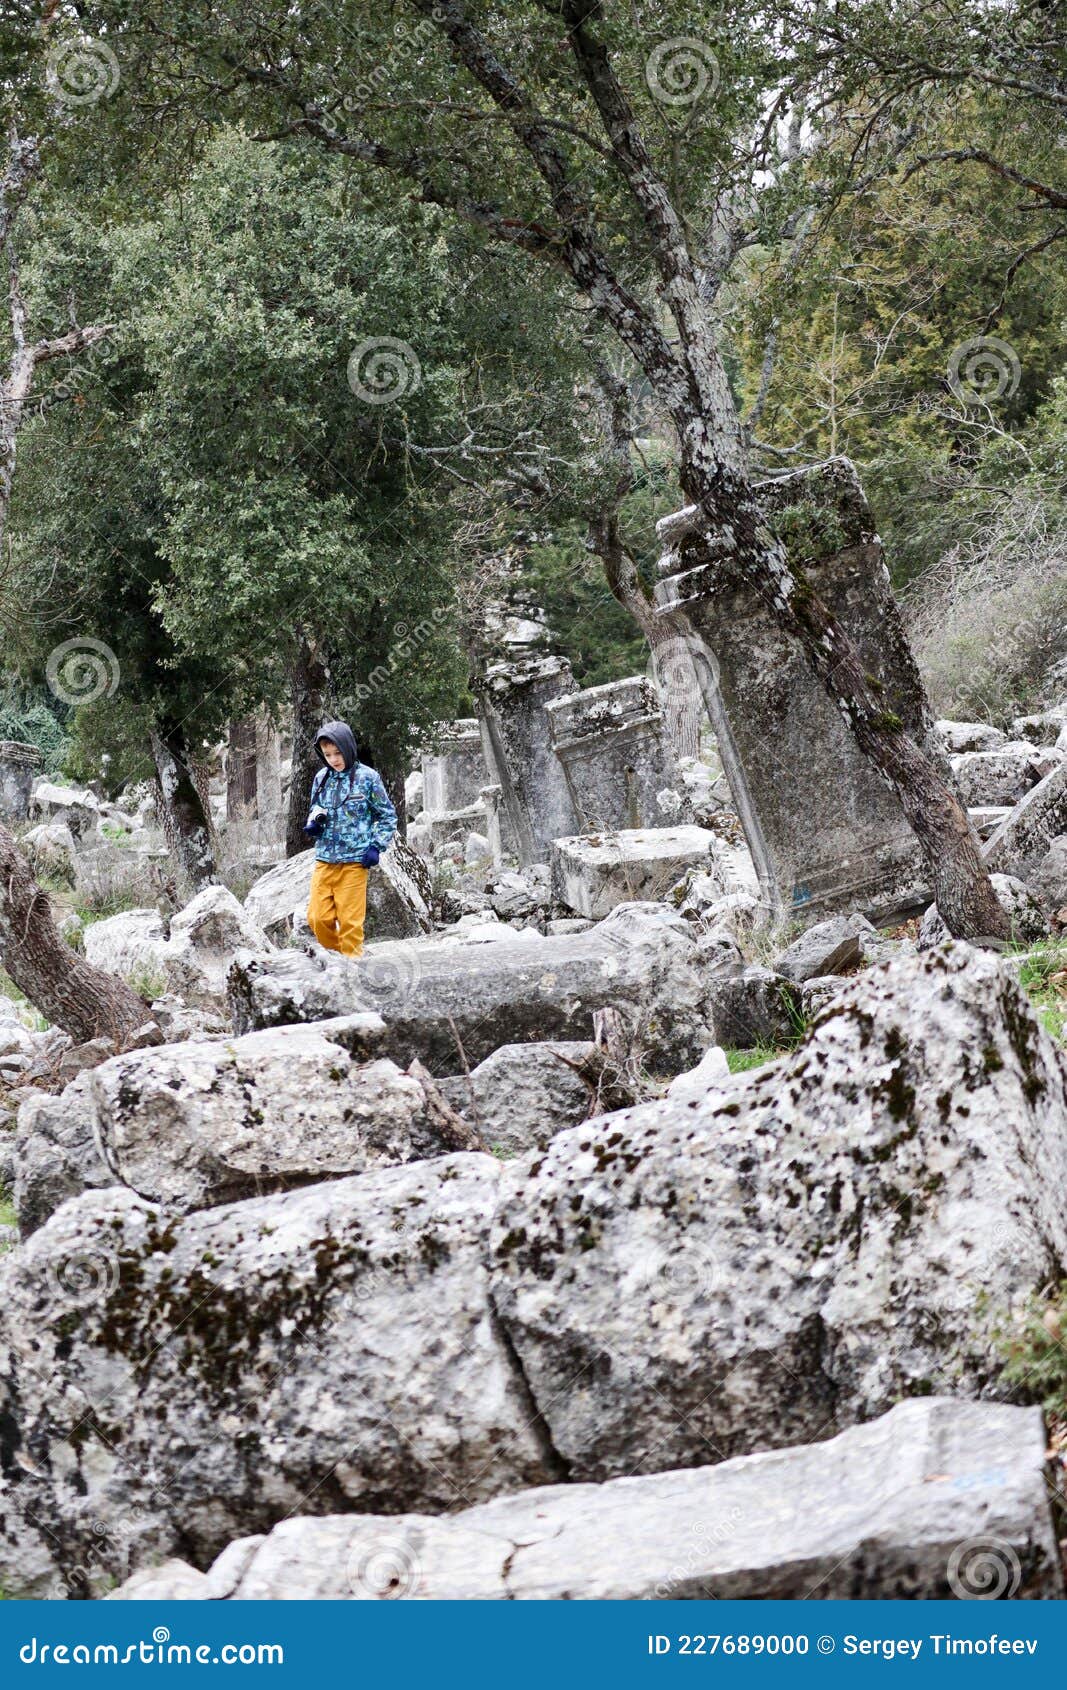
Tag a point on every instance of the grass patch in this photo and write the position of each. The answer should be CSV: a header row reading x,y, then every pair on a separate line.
x,y
740,1061
28,1015
1034,1347
8,1216
99,909
149,983
1043,976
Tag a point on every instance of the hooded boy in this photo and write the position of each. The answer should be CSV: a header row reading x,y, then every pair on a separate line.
x,y
352,821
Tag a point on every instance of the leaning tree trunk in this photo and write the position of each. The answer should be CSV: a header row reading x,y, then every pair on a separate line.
x,y
309,687
182,808
72,994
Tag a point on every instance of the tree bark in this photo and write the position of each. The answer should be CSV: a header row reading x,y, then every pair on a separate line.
x,y
309,689
182,809
84,1001
241,790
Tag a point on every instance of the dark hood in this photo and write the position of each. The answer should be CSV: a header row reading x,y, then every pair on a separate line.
x,y
343,738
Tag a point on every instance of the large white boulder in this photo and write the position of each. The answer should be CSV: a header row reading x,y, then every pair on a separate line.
x,y
450,1002
192,960
937,1499
208,1122
683,1284
1003,776
593,873
185,1381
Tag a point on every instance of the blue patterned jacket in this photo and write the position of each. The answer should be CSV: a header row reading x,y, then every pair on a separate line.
x,y
360,813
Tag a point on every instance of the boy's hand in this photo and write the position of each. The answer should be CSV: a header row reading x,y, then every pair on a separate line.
x,y
369,859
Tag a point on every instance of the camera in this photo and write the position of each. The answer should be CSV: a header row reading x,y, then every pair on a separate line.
x,y
316,823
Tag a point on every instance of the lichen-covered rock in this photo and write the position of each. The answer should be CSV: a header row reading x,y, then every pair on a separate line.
x,y
958,737
182,1383
521,1095
448,1002
1026,833
191,960
56,1155
1029,923
206,1122
1049,879
51,850
830,947
937,1499
754,1007
1003,776
683,1284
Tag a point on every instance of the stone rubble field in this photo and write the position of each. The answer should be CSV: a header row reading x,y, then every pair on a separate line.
x,y
603,1232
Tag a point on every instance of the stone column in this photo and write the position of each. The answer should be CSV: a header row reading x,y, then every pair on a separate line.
x,y
19,764
611,743
824,831
454,773
517,740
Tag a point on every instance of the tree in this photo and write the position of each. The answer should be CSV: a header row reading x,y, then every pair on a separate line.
x,y
545,128
86,1002
258,487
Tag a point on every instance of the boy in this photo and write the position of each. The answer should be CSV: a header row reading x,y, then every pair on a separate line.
x,y
352,821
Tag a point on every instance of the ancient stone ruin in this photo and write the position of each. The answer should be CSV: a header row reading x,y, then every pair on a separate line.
x,y
19,764
824,832
610,741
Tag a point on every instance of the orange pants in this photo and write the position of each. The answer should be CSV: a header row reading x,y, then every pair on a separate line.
x,y
337,907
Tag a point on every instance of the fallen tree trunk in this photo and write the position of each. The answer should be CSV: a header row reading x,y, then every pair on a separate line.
x,y
82,1000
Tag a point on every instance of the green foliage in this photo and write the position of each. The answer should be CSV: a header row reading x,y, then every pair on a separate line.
x,y
230,484
1043,976
1034,1346
25,716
